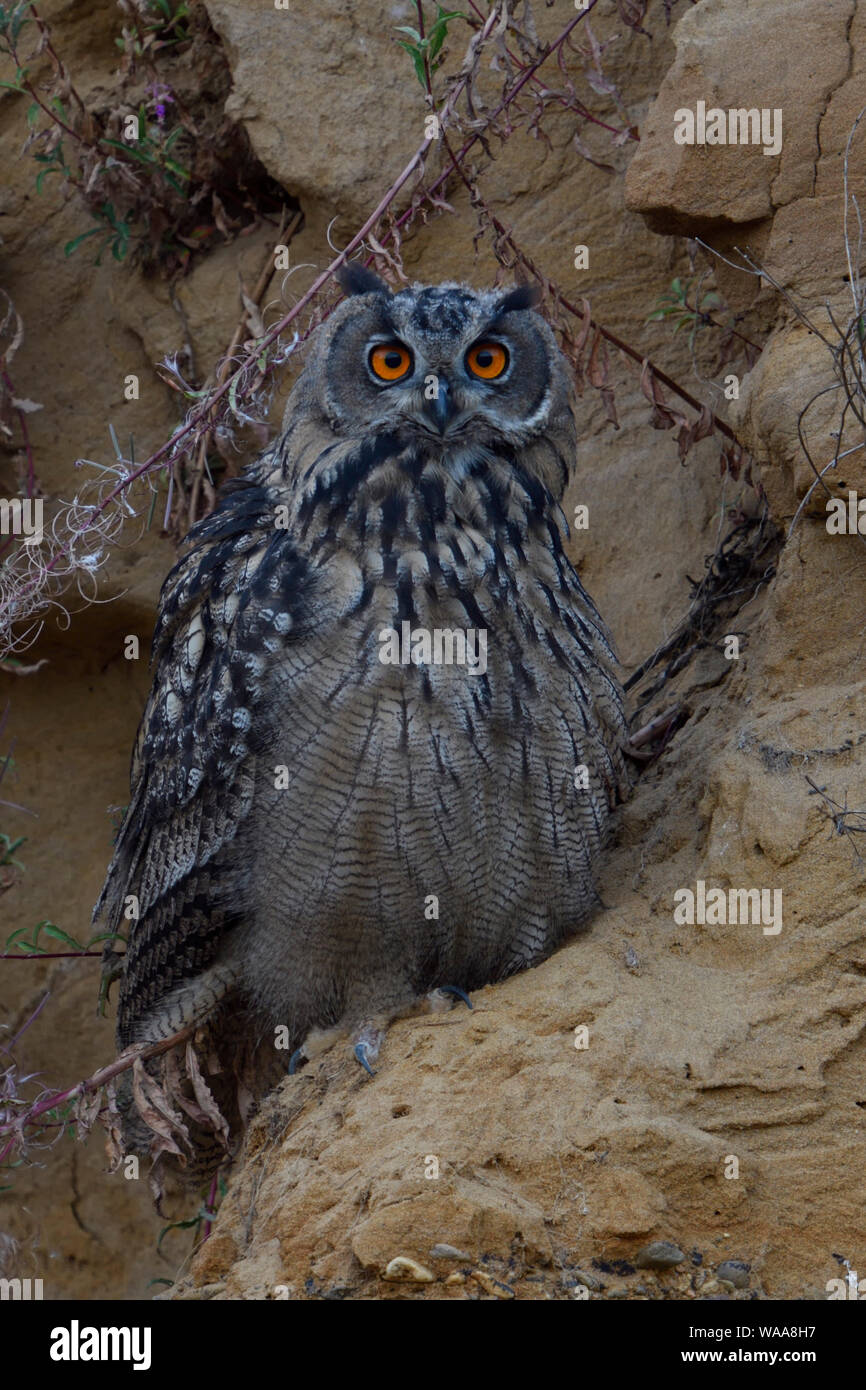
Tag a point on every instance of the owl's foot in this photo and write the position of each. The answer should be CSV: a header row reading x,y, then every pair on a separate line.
x,y
366,1046
370,1036
438,1001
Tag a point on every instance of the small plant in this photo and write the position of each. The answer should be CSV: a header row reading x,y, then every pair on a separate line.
x,y
694,309
131,163
425,49
675,304
159,24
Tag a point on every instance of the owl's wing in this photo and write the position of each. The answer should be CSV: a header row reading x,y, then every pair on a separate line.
x,y
226,611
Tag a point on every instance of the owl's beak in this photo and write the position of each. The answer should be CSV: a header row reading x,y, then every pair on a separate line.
x,y
441,409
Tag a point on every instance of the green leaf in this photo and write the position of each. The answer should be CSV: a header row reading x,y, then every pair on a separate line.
x,y
439,29
406,29
104,936
130,150
57,934
417,59
76,241
177,169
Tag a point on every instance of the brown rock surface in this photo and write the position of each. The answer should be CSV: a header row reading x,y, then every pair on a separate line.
x,y
490,1131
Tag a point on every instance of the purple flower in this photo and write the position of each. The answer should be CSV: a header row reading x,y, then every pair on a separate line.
x,y
161,96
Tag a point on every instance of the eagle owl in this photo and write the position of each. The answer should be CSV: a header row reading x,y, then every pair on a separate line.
x,y
385,733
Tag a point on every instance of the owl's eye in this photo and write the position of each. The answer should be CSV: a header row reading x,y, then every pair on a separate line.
x,y
487,360
390,361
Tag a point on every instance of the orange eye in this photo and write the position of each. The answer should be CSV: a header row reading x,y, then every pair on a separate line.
x,y
390,361
487,360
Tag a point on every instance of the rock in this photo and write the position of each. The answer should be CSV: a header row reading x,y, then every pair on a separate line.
x,y
735,1272
330,158
196,1293
495,1287
722,61
402,1268
659,1254
448,1252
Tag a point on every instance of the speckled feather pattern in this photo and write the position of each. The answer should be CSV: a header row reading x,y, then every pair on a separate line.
x,y
299,899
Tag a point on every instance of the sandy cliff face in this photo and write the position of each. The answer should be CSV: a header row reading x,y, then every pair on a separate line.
x,y
713,1049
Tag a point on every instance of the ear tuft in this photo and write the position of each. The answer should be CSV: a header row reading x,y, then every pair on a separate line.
x,y
523,297
355,278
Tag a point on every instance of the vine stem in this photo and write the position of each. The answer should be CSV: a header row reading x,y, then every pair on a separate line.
x,y
100,1078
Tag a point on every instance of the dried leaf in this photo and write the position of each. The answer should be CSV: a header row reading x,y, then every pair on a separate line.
x,y
85,1111
114,1133
391,260
253,316
204,1096
689,434
631,12
154,1108
663,417
598,372
18,334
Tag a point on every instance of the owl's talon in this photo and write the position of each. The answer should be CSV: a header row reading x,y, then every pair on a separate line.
x,y
460,993
298,1056
367,1044
363,1051
438,1001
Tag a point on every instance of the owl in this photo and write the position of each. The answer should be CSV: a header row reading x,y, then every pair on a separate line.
x,y
384,739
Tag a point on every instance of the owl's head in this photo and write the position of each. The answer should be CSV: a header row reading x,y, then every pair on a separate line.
x,y
445,364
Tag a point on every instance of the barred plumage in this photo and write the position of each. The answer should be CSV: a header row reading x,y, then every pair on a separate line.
x,y
304,898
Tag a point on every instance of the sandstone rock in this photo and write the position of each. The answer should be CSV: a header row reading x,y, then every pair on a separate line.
x,y
724,60
659,1254
307,119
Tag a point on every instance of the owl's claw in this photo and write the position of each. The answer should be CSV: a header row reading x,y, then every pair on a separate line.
x,y
438,1001
460,993
361,1050
298,1056
366,1048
